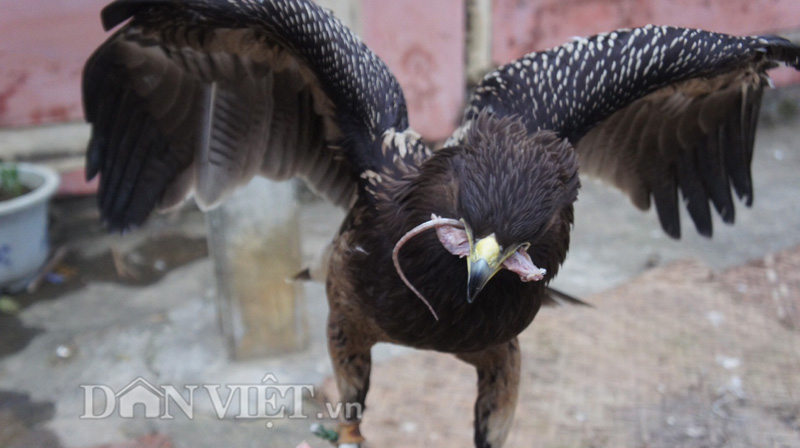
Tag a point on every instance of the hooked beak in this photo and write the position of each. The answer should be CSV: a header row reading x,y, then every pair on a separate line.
x,y
484,261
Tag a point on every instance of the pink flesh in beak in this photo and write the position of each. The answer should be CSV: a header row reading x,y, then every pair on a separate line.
x,y
520,262
454,239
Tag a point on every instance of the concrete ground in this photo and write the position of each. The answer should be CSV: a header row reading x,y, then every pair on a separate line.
x,y
97,329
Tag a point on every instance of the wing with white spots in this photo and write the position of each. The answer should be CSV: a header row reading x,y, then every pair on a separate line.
x,y
197,97
653,110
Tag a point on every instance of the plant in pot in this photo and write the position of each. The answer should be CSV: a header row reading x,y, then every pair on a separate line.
x,y
25,190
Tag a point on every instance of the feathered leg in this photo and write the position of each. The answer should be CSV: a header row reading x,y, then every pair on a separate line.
x,y
498,387
350,353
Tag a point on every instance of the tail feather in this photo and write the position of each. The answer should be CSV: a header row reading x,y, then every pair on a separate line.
x,y
559,298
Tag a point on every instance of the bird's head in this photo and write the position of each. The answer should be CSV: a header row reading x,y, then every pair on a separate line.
x,y
502,200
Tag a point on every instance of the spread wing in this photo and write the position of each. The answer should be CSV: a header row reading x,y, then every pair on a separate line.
x,y
652,110
197,97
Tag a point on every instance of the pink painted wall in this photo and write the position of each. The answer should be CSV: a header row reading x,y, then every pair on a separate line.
x,y
522,26
43,45
422,42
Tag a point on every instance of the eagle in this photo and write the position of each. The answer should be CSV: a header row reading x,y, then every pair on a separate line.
x,y
447,249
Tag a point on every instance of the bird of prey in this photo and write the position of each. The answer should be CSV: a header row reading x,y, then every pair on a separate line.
x,y
448,249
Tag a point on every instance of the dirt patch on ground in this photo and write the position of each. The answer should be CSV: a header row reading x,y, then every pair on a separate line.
x,y
771,284
680,357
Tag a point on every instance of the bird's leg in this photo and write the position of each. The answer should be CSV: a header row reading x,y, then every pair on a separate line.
x,y
498,386
350,353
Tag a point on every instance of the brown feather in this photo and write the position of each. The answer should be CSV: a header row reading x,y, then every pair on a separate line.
x,y
649,148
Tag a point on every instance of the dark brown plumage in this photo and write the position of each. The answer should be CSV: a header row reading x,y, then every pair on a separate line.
x,y
197,97
451,183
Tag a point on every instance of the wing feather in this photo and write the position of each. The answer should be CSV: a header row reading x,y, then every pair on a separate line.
x,y
197,97
694,193
654,111
715,178
699,136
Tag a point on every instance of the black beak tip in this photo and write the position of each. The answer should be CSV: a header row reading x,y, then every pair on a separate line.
x,y
479,275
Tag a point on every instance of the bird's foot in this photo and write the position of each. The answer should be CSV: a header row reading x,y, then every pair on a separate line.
x,y
350,435
347,435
